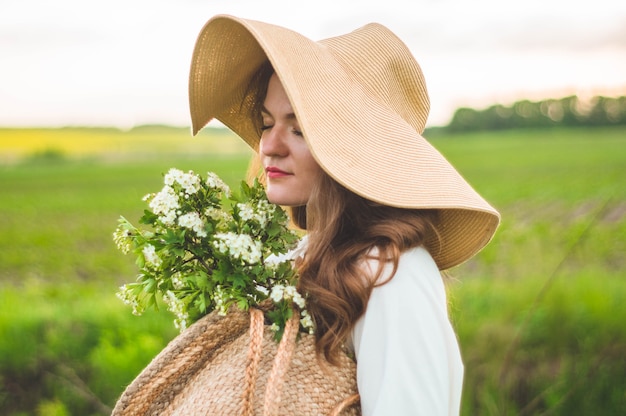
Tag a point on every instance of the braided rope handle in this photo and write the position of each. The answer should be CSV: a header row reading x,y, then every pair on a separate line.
x,y
254,357
280,366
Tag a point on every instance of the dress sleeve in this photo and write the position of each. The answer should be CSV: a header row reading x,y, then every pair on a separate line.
x,y
408,359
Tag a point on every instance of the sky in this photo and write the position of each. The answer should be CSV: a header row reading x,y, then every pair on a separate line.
x,y
125,63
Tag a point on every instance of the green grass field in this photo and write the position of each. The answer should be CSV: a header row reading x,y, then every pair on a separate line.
x,y
540,312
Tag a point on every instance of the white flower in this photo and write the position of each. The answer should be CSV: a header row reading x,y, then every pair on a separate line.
x,y
177,307
192,221
264,211
164,204
277,293
263,290
220,298
168,218
126,295
216,182
152,259
307,322
172,176
246,212
217,214
177,281
299,300
288,293
259,213
190,183
240,246
123,240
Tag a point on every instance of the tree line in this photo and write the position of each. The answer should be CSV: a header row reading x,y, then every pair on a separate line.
x,y
569,111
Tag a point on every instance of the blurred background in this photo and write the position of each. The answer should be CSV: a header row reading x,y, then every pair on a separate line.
x,y
527,101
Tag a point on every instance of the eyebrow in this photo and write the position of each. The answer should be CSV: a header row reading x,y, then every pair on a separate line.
x,y
288,116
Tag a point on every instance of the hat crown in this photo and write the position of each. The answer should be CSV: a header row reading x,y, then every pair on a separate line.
x,y
383,64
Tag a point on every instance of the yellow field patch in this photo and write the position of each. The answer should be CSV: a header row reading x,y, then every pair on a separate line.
x,y
16,144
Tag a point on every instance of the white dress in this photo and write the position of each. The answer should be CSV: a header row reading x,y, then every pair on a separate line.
x,y
408,358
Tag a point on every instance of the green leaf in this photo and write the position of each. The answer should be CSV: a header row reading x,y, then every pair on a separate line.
x,y
238,280
201,280
149,285
148,218
243,304
152,302
246,191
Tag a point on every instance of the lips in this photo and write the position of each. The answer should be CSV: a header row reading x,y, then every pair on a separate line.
x,y
273,172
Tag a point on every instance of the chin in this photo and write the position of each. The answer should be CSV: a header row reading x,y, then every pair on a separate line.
x,y
284,201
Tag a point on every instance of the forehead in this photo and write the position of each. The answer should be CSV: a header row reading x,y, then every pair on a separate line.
x,y
276,102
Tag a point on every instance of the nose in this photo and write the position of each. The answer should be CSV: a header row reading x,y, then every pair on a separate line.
x,y
273,143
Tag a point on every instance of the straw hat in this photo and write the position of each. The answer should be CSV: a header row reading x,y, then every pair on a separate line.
x,y
362,104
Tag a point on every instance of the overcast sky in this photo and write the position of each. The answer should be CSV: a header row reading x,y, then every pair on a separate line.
x,y
125,62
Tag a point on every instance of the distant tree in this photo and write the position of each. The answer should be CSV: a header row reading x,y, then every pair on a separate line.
x,y
566,111
464,119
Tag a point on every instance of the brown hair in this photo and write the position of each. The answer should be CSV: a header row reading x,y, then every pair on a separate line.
x,y
256,92
343,231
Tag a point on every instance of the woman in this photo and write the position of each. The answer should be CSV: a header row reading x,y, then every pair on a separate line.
x,y
338,130
402,351
337,125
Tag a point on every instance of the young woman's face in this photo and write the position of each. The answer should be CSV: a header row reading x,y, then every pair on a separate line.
x,y
290,169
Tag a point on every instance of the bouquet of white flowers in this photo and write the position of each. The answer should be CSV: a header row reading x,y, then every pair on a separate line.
x,y
208,250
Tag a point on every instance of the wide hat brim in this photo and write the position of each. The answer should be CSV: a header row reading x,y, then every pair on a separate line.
x,y
362,104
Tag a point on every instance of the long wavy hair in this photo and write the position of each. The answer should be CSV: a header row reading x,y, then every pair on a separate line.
x,y
344,230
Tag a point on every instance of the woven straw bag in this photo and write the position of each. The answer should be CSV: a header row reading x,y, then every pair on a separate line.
x,y
231,366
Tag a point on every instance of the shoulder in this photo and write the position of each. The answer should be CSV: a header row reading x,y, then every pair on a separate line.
x,y
418,260
416,289
416,268
414,297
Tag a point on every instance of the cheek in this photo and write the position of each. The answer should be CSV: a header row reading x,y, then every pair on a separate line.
x,y
309,168
312,175
303,157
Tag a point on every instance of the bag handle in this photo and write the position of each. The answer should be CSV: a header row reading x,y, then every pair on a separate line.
x,y
257,323
282,360
280,366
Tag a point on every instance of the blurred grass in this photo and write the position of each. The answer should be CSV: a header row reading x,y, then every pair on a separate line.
x,y
70,347
539,312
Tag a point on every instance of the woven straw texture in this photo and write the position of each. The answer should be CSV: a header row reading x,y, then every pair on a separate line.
x,y
231,366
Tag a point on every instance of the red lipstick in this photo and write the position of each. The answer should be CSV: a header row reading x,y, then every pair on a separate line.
x,y
273,172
